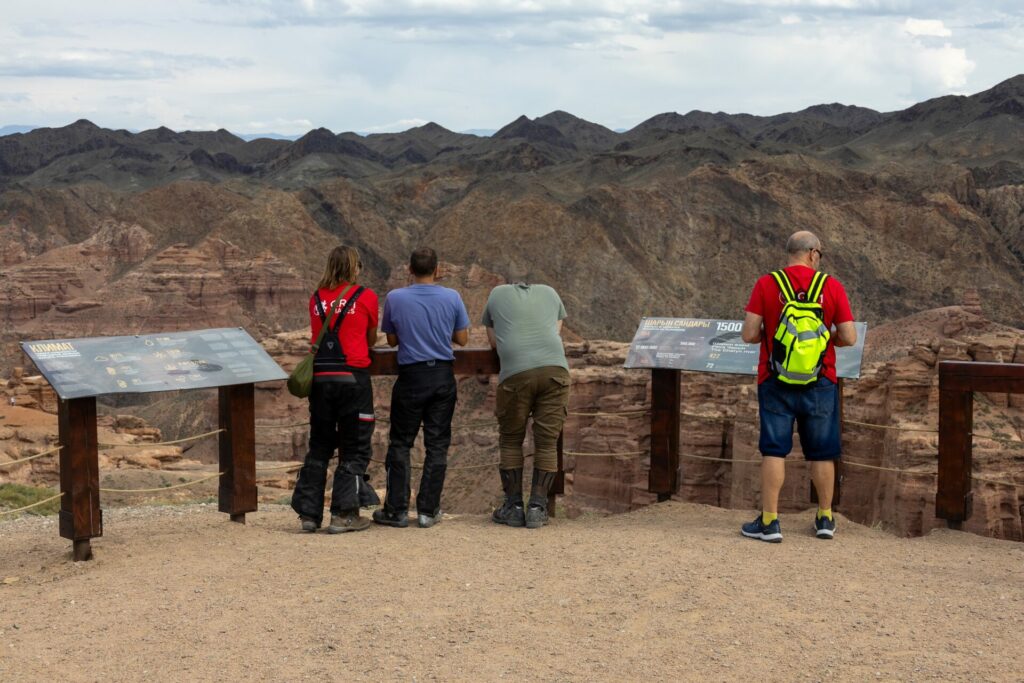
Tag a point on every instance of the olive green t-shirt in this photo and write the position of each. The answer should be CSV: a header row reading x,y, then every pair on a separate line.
x,y
524,318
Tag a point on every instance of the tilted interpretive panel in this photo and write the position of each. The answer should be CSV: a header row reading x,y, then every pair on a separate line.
x,y
144,363
714,346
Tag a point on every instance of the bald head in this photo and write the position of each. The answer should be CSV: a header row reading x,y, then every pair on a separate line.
x,y
802,241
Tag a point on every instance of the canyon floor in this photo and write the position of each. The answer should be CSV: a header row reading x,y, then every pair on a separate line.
x,y
669,592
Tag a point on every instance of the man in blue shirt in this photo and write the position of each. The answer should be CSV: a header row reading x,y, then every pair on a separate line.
x,y
423,320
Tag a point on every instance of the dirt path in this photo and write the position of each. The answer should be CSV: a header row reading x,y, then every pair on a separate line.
x,y
671,592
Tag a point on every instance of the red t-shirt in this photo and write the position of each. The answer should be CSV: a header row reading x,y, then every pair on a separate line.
x,y
766,301
352,333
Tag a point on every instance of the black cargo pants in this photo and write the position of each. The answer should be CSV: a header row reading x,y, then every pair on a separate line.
x,y
340,416
425,393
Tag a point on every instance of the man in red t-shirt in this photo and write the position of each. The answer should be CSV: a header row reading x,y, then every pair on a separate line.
x,y
814,407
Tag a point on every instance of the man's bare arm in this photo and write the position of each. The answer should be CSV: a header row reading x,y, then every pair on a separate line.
x,y
392,339
371,337
846,334
491,338
751,332
460,337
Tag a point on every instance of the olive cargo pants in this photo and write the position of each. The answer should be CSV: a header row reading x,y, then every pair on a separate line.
x,y
541,393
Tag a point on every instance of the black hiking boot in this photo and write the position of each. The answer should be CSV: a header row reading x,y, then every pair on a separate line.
x,y
537,512
511,512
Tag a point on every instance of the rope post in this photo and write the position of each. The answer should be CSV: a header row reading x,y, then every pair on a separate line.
x,y
558,487
80,516
665,406
237,417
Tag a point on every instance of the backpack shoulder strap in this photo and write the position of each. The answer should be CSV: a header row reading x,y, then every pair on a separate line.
x,y
320,308
349,303
816,288
784,285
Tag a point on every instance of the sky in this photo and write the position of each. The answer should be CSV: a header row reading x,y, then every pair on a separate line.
x,y
287,66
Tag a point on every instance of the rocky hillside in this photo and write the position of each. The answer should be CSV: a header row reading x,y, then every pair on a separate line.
x,y
105,232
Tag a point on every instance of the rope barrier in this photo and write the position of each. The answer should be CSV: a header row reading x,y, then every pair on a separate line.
x,y
708,457
161,443
886,469
284,426
290,466
1014,442
624,413
577,454
33,505
31,457
163,488
996,481
890,427
467,425
417,466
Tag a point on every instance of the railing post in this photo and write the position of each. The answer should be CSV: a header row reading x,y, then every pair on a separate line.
x,y
237,416
80,516
558,487
954,500
665,404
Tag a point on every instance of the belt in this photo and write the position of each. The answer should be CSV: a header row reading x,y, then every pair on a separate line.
x,y
426,364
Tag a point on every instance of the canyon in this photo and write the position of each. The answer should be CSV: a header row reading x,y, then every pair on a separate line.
x,y
921,213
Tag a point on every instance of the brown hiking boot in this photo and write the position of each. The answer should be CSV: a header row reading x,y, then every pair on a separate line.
x,y
348,520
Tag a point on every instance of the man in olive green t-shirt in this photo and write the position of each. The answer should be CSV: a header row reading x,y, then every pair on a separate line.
x,y
523,323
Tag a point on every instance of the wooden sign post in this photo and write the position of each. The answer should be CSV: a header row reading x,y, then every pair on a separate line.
x,y
957,383
80,516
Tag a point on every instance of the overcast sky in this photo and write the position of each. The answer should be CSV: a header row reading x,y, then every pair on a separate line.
x,y
287,66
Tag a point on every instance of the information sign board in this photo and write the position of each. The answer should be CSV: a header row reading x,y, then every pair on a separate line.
x,y
152,362
715,346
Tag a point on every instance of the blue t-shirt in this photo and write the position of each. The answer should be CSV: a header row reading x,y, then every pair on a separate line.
x,y
424,317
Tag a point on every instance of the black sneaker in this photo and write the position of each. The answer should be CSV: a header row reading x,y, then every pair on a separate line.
x,y
824,528
772,533
388,518
309,524
510,513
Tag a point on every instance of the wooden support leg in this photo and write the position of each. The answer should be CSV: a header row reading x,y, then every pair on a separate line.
x,y
953,501
80,514
237,490
558,487
81,550
665,402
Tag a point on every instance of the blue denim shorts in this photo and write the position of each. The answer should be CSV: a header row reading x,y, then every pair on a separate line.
x,y
815,409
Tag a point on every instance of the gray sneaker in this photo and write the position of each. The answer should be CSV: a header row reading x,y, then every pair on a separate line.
x,y
309,524
348,520
536,516
426,521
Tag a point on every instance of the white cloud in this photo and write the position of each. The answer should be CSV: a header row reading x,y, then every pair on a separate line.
x,y
285,66
946,66
926,27
395,126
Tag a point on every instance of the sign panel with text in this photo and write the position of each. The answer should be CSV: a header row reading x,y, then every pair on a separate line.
x,y
714,346
145,363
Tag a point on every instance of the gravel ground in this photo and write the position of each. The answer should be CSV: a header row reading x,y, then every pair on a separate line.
x,y
671,592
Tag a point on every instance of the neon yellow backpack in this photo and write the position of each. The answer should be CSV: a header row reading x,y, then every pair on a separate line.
x,y
801,338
